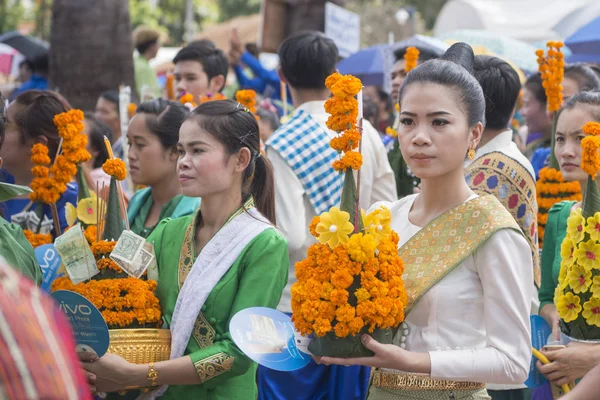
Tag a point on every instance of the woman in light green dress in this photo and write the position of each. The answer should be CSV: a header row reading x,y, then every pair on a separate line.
x,y
225,258
152,135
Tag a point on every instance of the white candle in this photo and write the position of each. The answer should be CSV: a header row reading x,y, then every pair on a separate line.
x,y
360,105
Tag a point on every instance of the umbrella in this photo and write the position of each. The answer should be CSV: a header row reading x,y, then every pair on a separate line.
x,y
585,43
29,46
373,64
520,53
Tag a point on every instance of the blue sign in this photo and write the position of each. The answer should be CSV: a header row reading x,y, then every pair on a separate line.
x,y
268,337
540,331
49,261
91,332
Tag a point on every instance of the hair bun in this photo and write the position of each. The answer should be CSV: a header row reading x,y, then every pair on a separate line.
x,y
462,54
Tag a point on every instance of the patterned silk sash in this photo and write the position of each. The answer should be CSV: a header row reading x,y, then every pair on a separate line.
x,y
438,248
511,183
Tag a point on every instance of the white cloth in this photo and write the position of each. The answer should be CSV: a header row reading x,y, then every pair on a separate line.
x,y
214,261
504,144
474,323
293,209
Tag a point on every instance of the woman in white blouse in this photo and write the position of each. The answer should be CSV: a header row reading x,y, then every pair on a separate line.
x,y
467,321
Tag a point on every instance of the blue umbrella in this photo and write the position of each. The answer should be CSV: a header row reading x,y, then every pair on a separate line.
x,y
585,43
372,65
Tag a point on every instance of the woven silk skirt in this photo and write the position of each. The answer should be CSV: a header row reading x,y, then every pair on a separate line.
x,y
376,393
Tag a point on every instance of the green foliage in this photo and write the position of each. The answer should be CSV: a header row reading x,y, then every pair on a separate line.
x,y
234,8
12,12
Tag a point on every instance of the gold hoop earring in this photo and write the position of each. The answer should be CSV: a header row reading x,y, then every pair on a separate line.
x,y
471,153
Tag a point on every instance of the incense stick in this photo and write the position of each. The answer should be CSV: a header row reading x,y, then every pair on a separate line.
x,y
97,213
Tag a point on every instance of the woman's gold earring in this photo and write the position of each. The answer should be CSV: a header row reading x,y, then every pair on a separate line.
x,y
471,153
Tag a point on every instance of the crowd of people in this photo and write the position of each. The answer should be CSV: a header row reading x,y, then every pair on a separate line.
x,y
227,201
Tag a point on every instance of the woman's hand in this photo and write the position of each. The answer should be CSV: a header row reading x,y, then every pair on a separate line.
x,y
386,356
550,314
112,373
571,363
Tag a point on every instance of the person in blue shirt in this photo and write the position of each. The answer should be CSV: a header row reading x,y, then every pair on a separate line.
x,y
30,120
38,79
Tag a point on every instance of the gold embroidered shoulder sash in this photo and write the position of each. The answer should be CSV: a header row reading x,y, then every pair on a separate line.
x,y
438,248
507,179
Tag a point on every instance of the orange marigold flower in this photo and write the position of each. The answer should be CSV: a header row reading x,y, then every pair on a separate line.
x,y
591,128
322,326
90,233
411,58
341,279
341,330
131,109
339,297
590,159
313,226
115,168
37,239
332,80
346,86
39,154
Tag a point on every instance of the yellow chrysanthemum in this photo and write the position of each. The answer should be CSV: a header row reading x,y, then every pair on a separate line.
x,y
70,214
576,226
588,254
591,312
334,227
87,210
361,248
595,289
579,278
568,306
593,227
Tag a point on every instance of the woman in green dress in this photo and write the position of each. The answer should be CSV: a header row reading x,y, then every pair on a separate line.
x,y
577,359
152,135
225,258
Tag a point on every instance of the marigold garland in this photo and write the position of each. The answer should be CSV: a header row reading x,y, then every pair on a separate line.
x,y
188,98
212,97
343,110
411,57
49,183
116,168
353,286
37,239
550,189
131,109
247,98
552,70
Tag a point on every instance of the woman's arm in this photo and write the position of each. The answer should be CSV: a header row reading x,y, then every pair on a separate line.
x,y
587,389
549,313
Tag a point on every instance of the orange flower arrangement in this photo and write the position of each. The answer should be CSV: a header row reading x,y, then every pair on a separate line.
x,y
552,69
124,303
37,239
131,109
188,98
343,108
116,168
411,58
247,98
351,287
590,160
212,97
49,183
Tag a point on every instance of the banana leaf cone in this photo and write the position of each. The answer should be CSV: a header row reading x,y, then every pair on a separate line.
x,y
82,186
114,222
350,346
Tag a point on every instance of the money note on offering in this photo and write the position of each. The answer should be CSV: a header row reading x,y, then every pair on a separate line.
x,y
133,254
76,255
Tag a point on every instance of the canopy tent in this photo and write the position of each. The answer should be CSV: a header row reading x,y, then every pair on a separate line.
x,y
585,43
526,20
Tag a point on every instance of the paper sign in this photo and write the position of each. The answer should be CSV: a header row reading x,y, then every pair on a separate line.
x,y
89,328
343,27
540,331
49,261
268,337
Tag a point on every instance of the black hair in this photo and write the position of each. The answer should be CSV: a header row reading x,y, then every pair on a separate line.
x,y
534,85
213,60
143,47
26,63
235,127
501,86
307,58
272,118
40,64
591,98
163,119
111,96
370,110
424,54
98,130
454,70
585,77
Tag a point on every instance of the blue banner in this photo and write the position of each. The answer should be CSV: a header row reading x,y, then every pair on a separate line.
x,y
49,261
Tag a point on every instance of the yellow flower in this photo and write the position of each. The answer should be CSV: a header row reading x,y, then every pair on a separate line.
x,y
588,254
70,214
378,222
361,248
562,275
591,312
579,279
593,227
595,286
576,226
334,227
568,307
567,249
87,210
